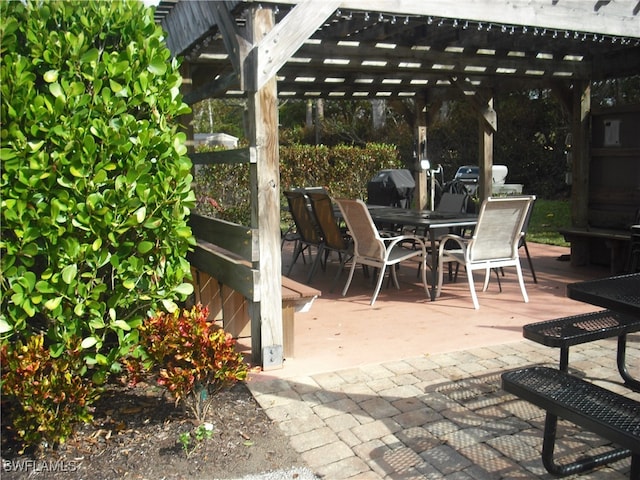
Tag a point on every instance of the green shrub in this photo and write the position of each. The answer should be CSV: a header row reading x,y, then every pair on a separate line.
x,y
193,358
223,190
95,180
43,397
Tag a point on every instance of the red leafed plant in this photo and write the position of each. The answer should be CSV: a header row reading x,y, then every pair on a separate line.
x,y
195,358
44,397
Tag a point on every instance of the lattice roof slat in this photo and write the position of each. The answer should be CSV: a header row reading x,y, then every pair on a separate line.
x,y
408,45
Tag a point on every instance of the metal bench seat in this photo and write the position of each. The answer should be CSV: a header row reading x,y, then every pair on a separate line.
x,y
568,331
608,414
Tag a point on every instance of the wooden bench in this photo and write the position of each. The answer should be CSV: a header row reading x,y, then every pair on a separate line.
x,y
616,240
565,332
227,281
230,307
605,413
296,297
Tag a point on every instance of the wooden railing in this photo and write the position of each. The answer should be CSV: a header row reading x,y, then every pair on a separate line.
x,y
223,274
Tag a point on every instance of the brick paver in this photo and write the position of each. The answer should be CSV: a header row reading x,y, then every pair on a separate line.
x,y
437,417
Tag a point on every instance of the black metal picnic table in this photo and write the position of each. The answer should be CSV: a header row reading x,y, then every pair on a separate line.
x,y
559,393
620,294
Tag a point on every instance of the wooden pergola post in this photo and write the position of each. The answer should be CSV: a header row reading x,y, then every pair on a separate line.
x,y
580,159
487,126
580,136
421,192
266,317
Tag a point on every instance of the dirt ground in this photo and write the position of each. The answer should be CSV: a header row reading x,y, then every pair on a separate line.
x,y
136,435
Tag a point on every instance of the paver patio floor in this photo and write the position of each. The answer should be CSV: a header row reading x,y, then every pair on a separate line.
x,y
410,388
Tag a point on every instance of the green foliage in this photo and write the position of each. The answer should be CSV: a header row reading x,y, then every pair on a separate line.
x,y
196,358
95,178
202,432
95,189
43,396
614,92
547,217
531,145
223,190
215,115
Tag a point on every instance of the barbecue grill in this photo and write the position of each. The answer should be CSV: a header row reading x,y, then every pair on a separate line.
x,y
393,187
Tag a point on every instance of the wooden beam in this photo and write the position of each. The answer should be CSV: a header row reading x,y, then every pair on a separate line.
x,y
237,46
487,63
420,120
619,18
280,43
266,317
237,239
624,63
226,269
215,88
237,155
486,130
186,24
580,155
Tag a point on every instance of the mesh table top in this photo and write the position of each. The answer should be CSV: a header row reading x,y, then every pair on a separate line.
x,y
621,293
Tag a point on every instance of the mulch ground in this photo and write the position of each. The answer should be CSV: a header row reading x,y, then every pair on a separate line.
x,y
136,434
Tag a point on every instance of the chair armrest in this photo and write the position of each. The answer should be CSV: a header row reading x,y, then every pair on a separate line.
x,y
391,242
461,241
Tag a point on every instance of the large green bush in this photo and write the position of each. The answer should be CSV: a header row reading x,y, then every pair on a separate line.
x,y
95,181
345,170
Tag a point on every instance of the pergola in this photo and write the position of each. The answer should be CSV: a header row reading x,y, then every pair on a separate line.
x,y
428,51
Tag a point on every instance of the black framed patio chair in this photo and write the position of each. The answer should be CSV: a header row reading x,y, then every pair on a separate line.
x,y
334,239
306,226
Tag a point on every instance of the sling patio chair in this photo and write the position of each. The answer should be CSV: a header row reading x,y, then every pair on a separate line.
x,y
449,203
494,243
306,227
291,234
523,243
334,239
372,249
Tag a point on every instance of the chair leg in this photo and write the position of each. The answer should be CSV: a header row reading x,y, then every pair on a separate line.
x,y
379,284
343,260
394,275
296,253
314,266
498,278
472,288
440,278
487,278
521,281
423,264
533,272
346,286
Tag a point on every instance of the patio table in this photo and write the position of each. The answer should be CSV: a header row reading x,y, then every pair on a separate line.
x,y
429,221
620,294
577,400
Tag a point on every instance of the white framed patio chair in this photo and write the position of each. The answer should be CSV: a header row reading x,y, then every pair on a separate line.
x,y
494,243
372,249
